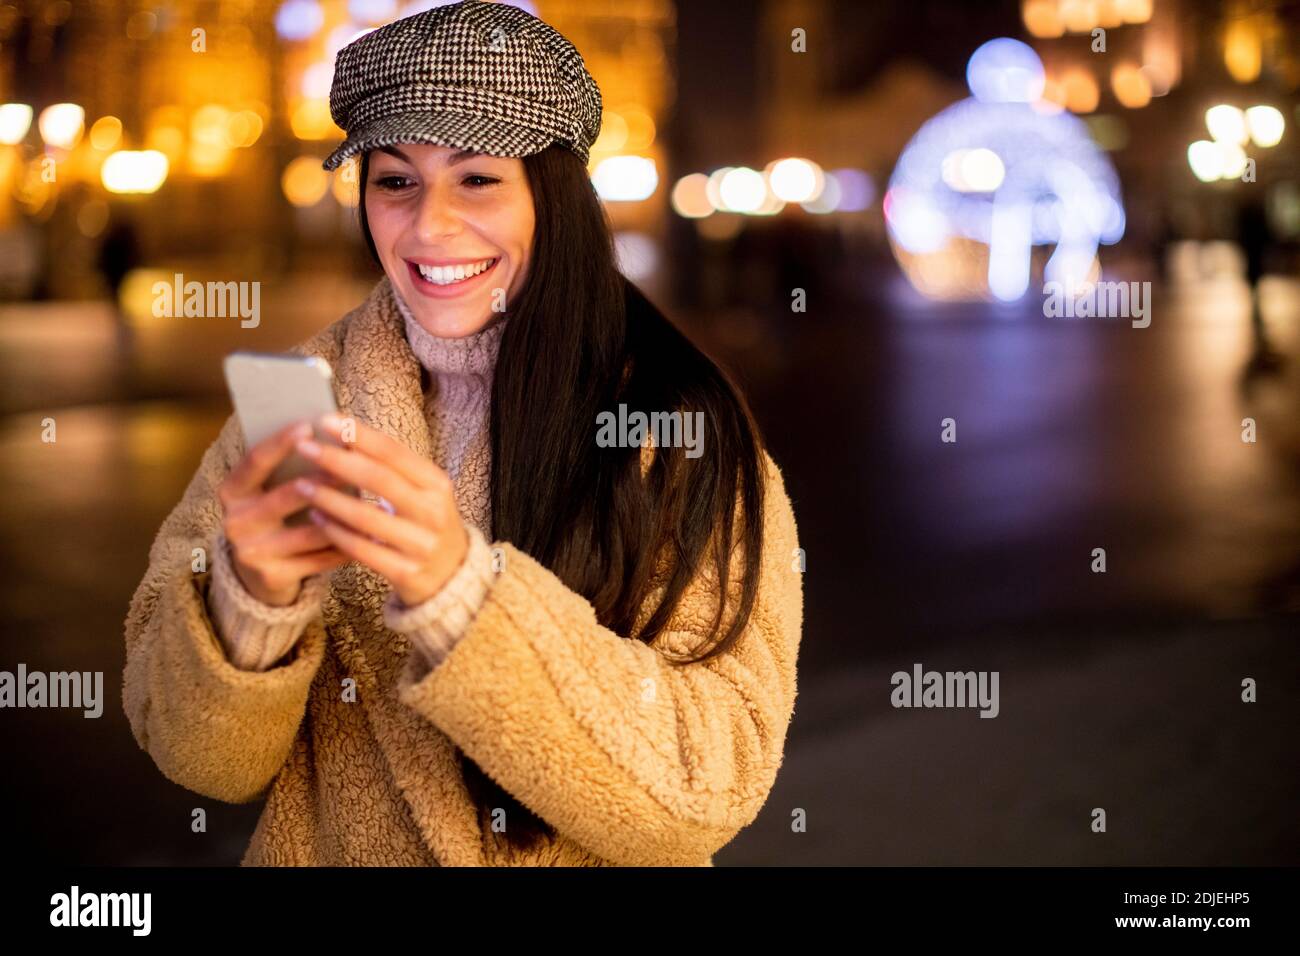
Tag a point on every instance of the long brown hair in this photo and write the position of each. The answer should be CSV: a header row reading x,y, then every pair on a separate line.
x,y
582,339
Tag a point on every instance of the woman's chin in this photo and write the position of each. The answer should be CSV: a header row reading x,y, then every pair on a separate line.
x,y
452,322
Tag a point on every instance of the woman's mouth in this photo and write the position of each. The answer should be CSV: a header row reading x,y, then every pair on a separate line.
x,y
442,281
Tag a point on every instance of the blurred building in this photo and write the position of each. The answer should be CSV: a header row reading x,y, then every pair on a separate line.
x,y
850,85
1145,74
188,135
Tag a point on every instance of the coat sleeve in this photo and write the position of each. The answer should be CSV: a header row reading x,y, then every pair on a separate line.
x,y
639,760
208,725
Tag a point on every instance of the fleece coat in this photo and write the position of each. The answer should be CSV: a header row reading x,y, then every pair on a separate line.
x,y
354,740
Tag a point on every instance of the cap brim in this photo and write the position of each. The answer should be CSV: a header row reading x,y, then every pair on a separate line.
x,y
483,134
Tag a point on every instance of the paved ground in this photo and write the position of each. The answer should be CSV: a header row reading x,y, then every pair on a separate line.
x,y
1118,691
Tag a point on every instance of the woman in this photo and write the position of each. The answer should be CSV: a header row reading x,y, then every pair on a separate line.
x,y
610,681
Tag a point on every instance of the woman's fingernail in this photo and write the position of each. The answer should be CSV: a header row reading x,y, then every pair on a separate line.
x,y
332,420
309,448
302,430
305,487
316,517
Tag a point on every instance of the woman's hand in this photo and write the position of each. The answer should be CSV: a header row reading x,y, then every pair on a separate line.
x,y
270,559
418,546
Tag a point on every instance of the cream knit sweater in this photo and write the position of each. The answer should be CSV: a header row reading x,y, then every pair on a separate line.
x,y
457,401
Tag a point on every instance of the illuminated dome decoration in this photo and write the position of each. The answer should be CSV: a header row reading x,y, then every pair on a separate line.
x,y
1005,71
990,177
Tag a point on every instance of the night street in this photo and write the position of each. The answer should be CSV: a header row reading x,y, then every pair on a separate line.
x,y
1119,690
1009,292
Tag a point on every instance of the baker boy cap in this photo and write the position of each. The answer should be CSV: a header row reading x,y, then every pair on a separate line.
x,y
488,77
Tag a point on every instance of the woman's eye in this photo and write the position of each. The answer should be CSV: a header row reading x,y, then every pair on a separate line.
x,y
479,182
392,183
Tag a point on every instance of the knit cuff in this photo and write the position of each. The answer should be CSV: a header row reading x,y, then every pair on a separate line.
x,y
435,625
256,635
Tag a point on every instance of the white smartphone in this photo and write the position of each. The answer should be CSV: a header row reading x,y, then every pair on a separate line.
x,y
270,391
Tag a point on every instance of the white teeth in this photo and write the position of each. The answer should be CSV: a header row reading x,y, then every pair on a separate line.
x,y
446,275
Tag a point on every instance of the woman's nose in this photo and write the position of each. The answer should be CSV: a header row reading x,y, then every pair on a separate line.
x,y
436,218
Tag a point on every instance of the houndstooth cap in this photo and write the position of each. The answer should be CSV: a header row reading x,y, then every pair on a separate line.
x,y
483,76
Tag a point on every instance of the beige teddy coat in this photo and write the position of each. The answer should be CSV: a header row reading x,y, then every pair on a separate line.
x,y
633,760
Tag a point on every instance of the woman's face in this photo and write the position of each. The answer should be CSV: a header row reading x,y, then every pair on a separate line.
x,y
453,229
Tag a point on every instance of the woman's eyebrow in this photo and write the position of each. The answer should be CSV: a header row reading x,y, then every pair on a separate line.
x,y
462,156
394,151
457,157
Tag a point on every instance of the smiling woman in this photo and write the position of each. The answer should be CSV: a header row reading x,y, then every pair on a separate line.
x,y
520,646
451,225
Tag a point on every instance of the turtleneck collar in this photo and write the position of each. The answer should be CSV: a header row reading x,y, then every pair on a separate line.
x,y
461,367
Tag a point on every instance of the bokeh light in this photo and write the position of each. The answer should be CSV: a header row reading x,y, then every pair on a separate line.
x,y
795,180
106,132
690,196
346,184
1206,159
857,189
742,190
15,121
613,133
625,178
1081,91
1234,160
829,200
1005,71
243,129
134,171
299,19
1130,85
1266,125
1227,124
372,11
311,120
61,124
1042,19
640,128
304,182
973,170
1135,11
